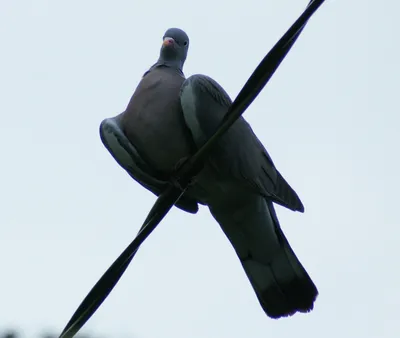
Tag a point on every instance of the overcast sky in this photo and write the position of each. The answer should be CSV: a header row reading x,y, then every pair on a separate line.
x,y
329,119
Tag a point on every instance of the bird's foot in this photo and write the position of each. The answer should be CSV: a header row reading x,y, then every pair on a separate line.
x,y
176,180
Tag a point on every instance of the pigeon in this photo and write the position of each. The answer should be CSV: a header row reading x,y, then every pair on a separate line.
x,y
168,118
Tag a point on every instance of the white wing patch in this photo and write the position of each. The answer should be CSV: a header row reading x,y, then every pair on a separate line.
x,y
189,113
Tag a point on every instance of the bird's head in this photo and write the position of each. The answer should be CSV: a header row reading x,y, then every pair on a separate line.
x,y
174,48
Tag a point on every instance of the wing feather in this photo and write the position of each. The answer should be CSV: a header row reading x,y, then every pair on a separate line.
x,y
239,154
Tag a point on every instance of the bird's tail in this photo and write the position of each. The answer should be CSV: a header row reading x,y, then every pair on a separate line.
x,y
281,283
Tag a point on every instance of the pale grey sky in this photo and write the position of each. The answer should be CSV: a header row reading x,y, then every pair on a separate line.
x,y
329,119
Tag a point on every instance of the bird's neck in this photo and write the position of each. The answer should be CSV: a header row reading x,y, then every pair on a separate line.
x,y
174,64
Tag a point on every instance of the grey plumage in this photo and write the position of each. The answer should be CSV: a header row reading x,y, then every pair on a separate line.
x,y
166,120
239,155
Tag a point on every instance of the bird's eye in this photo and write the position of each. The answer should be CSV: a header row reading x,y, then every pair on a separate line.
x,y
185,43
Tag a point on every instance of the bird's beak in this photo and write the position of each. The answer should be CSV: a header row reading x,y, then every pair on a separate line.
x,y
168,41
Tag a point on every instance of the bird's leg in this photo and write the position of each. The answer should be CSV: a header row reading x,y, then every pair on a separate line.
x,y
175,180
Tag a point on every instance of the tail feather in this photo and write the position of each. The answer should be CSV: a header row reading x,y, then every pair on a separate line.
x,y
288,288
301,289
281,283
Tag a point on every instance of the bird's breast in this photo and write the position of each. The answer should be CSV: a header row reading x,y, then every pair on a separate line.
x,y
154,122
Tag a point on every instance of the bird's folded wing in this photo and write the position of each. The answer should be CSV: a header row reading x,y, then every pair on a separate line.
x,y
128,158
238,155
